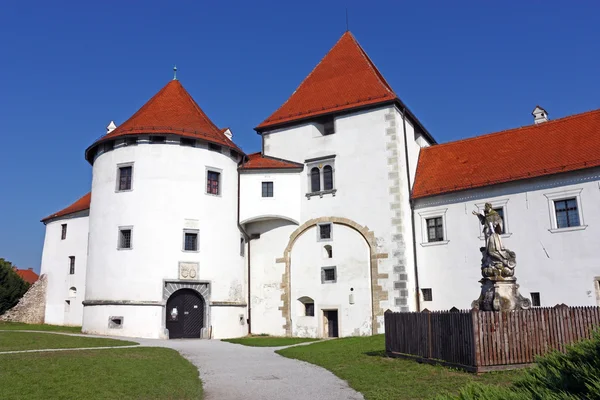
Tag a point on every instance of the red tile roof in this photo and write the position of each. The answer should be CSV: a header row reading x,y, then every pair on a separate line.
x,y
561,145
345,78
80,205
171,111
258,161
27,275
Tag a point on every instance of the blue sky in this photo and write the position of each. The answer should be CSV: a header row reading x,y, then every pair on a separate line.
x,y
68,68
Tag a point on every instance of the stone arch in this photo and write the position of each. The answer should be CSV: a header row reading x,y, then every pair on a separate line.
x,y
377,292
200,287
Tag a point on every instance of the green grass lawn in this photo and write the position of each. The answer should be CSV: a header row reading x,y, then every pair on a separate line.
x,y
10,341
132,373
10,326
361,361
269,341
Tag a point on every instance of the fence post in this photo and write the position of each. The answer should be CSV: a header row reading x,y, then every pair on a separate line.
x,y
476,339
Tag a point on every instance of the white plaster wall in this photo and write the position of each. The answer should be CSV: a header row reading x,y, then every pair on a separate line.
x,y
138,321
55,264
169,194
561,266
226,322
285,202
351,259
266,274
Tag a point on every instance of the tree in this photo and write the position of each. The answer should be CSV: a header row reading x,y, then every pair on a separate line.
x,y
12,287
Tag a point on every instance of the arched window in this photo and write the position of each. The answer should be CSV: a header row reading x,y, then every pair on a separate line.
x,y
328,253
315,180
72,291
308,305
327,177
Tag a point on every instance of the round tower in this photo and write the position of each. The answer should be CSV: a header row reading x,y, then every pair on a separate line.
x,y
164,245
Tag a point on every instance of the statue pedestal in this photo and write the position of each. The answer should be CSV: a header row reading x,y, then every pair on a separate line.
x,y
500,294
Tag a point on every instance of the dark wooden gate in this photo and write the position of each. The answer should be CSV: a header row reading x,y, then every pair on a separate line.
x,y
332,323
185,314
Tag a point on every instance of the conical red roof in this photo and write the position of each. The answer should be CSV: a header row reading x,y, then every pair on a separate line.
x,y
171,111
345,78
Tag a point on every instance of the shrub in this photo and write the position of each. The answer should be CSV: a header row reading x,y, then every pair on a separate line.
x,y
12,287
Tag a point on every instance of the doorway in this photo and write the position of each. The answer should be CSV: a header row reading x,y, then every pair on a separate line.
x,y
185,314
330,323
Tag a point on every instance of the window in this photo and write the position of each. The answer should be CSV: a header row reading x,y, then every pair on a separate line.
x,y
567,214
328,275
427,294
115,322
190,240
329,127
324,231
242,246
435,229
187,142
158,139
130,141
309,309
67,306
212,182
108,146
328,251
72,291
71,265
214,147
267,189
125,238
500,211
124,179
315,180
535,299
327,177
63,231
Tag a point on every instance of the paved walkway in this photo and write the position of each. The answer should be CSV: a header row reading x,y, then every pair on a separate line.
x,y
235,372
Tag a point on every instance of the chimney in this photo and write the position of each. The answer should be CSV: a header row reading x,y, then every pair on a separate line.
x,y
539,115
111,127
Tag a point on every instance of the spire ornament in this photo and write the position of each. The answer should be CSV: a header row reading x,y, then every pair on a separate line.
x,y
175,72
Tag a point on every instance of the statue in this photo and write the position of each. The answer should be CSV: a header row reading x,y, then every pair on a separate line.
x,y
499,289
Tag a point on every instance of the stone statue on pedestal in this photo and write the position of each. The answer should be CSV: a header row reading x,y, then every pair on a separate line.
x,y
499,289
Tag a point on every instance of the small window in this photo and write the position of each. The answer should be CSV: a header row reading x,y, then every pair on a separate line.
x,y
427,294
212,182
328,275
435,229
267,189
242,247
72,291
125,174
214,147
158,139
131,141
187,142
309,309
324,231
115,322
125,238
327,177
535,299
63,231
315,180
67,306
190,240
329,127
71,265
328,251
500,211
567,214
108,146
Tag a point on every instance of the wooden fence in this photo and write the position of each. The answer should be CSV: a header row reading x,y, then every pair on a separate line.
x,y
481,341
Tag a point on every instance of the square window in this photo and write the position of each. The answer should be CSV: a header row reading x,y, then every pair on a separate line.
x,y
124,179
125,238
132,141
535,299
108,146
63,231
213,179
500,211
435,229
71,265
567,213
309,309
214,147
158,139
328,275
267,189
187,142
190,240
427,294
324,232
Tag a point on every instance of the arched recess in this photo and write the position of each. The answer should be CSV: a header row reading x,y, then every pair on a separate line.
x,y
378,294
72,291
201,288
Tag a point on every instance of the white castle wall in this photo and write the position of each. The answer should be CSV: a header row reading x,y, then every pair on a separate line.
x,y
169,194
561,265
55,264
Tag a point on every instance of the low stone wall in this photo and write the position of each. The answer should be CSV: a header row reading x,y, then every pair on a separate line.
x,y
32,306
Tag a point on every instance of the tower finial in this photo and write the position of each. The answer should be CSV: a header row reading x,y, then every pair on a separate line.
x,y
347,29
175,73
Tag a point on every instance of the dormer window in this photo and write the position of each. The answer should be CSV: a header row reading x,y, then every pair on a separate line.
x,y
158,139
327,126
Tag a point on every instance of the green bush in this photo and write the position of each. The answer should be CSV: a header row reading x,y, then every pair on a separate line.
x,y
12,287
573,375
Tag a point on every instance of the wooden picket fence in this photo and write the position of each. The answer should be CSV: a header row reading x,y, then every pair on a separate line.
x,y
480,341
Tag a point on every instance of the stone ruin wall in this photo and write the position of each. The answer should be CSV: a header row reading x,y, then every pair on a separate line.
x,y
32,306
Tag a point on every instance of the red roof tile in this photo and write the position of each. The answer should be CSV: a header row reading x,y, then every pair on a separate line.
x,y
345,78
257,161
80,205
171,111
561,145
27,275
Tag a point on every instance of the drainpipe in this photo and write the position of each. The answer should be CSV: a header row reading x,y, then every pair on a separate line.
x,y
247,240
412,211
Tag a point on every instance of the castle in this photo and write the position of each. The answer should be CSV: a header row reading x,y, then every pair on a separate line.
x,y
349,209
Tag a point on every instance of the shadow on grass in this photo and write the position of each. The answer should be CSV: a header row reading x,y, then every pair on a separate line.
x,y
379,353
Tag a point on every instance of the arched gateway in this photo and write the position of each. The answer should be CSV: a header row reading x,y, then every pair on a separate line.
x,y
185,314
